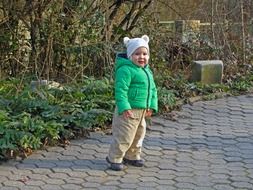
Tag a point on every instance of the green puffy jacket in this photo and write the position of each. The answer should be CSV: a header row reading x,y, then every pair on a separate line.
x,y
134,86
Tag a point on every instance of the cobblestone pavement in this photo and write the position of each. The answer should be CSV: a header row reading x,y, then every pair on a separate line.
x,y
210,146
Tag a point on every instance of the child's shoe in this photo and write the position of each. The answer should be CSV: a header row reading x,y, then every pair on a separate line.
x,y
115,166
136,163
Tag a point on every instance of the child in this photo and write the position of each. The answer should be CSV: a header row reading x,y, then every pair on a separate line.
x,y
136,98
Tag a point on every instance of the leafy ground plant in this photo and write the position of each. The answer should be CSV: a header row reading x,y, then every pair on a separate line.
x,y
33,118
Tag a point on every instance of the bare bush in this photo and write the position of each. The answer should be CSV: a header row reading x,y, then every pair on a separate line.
x,y
67,40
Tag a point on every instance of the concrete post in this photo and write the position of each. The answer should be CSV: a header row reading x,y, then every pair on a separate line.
x,y
207,71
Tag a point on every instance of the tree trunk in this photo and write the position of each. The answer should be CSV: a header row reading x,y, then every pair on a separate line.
x,y
243,32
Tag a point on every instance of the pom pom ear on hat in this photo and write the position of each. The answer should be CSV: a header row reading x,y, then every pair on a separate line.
x,y
126,40
146,38
135,43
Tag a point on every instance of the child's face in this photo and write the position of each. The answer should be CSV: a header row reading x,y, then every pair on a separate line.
x,y
140,56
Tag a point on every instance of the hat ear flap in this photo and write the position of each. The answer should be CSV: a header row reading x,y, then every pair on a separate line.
x,y
146,38
126,40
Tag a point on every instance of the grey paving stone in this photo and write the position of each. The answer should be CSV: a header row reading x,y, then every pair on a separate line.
x,y
94,179
148,179
31,188
77,174
35,182
64,164
58,175
185,185
3,179
245,185
166,182
147,184
111,183
43,171
71,187
53,181
96,173
45,164
5,173
14,183
61,170
184,171
221,181
128,186
104,187
151,164
199,187
184,179
26,166
38,177
72,180
223,187
90,184
67,158
240,179
130,180
147,188
248,161
79,163
9,188
147,169
51,187
165,187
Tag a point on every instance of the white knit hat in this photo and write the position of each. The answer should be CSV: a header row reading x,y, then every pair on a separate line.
x,y
135,43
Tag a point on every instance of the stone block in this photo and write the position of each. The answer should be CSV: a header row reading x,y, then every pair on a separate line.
x,y
37,83
49,84
187,30
207,71
182,26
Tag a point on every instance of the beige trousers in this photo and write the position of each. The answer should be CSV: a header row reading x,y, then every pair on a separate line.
x,y
128,136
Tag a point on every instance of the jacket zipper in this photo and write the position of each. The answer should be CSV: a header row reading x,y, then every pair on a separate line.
x,y
148,87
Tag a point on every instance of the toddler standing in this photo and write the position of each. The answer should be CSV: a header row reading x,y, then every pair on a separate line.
x,y
136,98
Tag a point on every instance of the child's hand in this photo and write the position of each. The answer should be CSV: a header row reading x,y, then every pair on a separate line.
x,y
128,114
149,113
